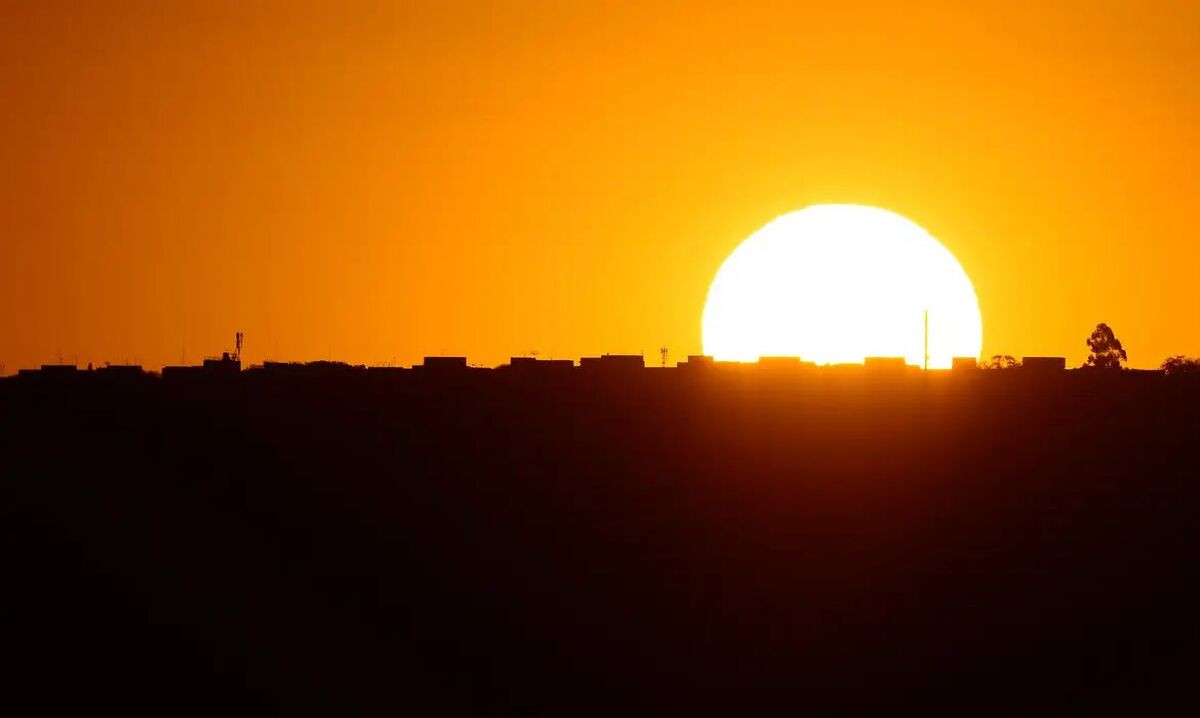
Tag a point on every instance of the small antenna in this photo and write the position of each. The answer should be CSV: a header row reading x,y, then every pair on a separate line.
x,y
663,351
926,340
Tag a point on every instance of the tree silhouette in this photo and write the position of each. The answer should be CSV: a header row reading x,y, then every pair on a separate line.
x,y
1000,361
1107,352
1180,365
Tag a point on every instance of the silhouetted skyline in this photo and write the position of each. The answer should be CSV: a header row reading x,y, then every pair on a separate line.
x,y
548,539
1107,353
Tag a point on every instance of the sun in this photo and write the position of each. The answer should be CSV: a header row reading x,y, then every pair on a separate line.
x,y
836,283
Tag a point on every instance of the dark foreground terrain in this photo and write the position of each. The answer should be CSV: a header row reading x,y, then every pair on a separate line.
x,y
666,541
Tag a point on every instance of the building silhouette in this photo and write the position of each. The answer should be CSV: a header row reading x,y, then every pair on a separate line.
x,y
613,362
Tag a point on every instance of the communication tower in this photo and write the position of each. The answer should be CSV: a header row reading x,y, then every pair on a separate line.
x,y
663,352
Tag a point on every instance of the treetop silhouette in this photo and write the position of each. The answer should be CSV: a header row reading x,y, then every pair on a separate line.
x,y
1107,352
1180,365
1000,361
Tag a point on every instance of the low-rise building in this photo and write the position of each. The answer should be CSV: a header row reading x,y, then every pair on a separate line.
x,y
964,364
613,362
444,363
696,361
225,366
534,365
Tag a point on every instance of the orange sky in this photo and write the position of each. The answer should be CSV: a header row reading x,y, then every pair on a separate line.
x,y
376,182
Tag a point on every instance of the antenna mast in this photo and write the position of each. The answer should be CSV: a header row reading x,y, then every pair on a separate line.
x,y
926,340
663,352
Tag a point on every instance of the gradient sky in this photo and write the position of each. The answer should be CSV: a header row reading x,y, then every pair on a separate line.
x,y
376,182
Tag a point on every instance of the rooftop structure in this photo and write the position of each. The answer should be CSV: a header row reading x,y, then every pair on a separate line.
x,y
225,366
613,362
697,360
444,363
534,365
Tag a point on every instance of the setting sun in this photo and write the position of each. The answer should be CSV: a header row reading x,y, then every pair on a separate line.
x,y
837,283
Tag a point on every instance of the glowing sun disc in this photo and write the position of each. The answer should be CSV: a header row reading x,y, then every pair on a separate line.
x,y
836,283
